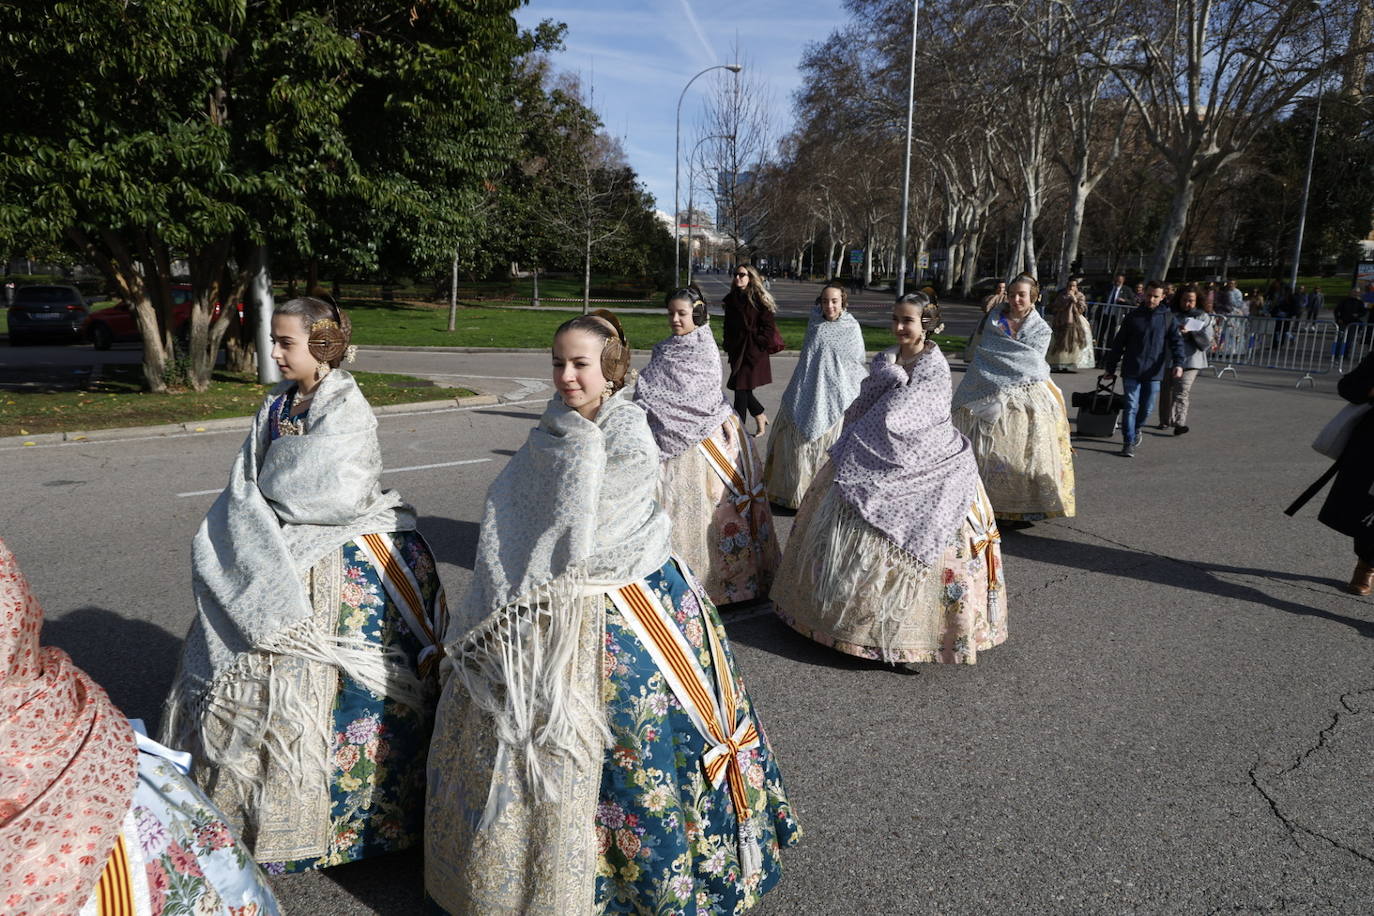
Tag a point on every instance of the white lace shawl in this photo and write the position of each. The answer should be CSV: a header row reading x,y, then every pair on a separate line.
x,y
572,514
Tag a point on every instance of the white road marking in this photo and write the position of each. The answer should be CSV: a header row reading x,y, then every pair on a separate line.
x,y
413,467
211,432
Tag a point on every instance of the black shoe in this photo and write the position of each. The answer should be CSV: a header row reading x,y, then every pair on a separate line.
x,y
1138,436
1128,450
1180,430
1161,426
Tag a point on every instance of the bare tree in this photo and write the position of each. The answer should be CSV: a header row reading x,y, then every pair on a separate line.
x,y
593,211
738,114
1205,77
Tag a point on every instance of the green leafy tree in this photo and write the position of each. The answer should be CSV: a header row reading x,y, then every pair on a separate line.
x,y
363,134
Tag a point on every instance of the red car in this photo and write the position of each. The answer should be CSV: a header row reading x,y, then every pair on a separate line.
x,y
117,323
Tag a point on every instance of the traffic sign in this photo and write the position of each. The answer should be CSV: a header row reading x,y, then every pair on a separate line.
x,y
856,256
923,261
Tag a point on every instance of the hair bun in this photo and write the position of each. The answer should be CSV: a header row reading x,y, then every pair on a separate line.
x,y
615,356
329,339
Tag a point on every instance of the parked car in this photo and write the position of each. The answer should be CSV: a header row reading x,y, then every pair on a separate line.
x,y
49,311
116,323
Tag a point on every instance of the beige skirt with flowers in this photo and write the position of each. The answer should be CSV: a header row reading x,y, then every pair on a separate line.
x,y
793,462
1024,454
726,539
846,585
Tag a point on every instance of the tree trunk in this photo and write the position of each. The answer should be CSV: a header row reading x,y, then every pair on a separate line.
x,y
587,277
453,296
1078,204
1172,230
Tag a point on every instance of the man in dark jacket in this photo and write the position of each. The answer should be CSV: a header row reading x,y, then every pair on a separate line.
x,y
1349,317
1144,336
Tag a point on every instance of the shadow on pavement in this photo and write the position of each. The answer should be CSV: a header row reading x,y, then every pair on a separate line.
x,y
765,631
103,643
1101,558
517,414
385,884
452,540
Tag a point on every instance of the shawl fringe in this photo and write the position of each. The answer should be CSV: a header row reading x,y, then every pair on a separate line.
x,y
256,707
856,565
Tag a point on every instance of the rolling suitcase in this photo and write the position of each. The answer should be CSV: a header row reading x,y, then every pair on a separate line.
x,y
1097,410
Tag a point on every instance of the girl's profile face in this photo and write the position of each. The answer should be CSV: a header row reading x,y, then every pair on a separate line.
x,y
906,325
832,303
577,371
291,348
680,317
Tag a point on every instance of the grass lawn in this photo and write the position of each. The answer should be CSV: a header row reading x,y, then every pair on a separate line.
x,y
411,324
116,400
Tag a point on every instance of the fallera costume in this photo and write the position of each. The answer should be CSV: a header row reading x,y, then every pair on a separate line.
x,y
96,819
895,554
825,382
307,685
711,480
1016,419
595,750
1071,343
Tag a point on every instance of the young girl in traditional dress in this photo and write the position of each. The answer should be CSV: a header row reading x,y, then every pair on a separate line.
x,y
595,750
1015,416
1071,340
306,692
894,554
826,380
711,480
95,818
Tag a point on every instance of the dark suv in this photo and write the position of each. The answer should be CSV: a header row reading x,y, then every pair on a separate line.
x,y
46,311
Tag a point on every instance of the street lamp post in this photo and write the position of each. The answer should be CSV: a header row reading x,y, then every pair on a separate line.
x,y
906,159
677,164
1311,145
691,171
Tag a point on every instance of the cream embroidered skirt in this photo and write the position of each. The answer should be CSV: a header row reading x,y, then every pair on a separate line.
x,y
792,462
1064,355
727,541
844,584
1024,455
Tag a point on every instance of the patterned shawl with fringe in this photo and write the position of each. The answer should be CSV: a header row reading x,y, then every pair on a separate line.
x,y
68,764
288,504
680,391
1004,363
827,376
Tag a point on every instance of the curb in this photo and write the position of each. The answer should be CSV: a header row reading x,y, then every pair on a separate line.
x,y
223,424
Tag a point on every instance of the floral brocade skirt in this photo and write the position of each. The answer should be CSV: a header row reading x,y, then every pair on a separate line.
x,y
667,839
793,462
1024,455
176,855
728,542
845,585
378,749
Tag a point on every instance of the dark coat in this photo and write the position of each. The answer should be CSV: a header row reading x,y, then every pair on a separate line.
x,y
748,332
1349,503
1148,341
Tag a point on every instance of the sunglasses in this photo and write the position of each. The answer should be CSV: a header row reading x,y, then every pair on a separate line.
x,y
741,275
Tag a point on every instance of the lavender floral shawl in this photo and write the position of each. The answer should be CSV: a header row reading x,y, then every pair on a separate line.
x,y
680,391
900,462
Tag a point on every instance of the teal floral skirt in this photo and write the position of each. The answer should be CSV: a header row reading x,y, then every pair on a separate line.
x,y
377,756
668,841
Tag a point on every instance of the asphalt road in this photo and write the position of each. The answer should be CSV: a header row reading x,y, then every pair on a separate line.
x,y
1179,723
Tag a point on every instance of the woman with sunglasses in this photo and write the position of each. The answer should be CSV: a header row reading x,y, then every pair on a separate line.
x,y
894,554
825,382
710,479
1015,416
751,334
307,684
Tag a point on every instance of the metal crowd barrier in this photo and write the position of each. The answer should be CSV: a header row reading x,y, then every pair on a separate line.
x,y
1311,348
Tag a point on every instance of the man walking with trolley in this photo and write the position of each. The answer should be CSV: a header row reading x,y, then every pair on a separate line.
x,y
1145,335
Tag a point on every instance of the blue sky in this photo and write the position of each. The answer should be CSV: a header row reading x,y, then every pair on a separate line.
x,y
642,52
